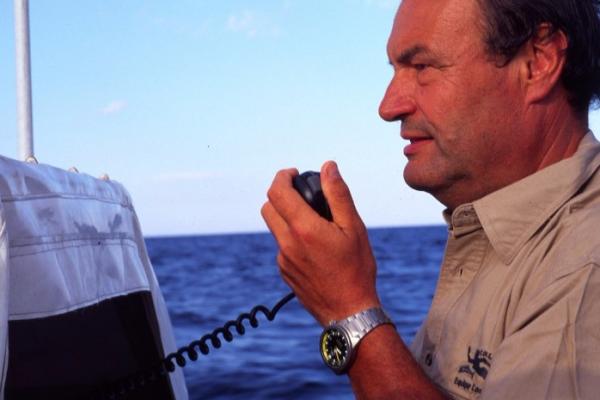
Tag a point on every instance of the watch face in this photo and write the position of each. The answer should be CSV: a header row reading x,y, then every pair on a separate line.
x,y
335,349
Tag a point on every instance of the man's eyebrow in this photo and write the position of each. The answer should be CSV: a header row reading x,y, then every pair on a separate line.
x,y
406,56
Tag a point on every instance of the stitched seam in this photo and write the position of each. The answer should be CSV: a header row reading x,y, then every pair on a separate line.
x,y
62,195
123,242
74,237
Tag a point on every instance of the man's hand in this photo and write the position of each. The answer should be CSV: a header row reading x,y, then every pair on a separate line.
x,y
329,265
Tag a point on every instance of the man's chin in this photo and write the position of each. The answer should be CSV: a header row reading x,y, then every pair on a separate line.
x,y
416,179
439,188
449,189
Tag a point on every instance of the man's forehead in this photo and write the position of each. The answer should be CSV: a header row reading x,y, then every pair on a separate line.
x,y
425,22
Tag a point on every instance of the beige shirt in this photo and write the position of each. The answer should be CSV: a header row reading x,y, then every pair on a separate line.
x,y
516,312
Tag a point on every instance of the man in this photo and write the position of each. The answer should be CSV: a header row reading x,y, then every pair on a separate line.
x,y
493,96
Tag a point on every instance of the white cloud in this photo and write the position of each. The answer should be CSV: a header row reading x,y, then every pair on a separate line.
x,y
178,176
287,4
114,107
251,24
243,23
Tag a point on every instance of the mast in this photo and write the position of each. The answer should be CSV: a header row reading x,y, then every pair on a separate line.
x,y
23,80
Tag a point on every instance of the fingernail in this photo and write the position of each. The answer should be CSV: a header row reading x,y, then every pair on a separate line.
x,y
332,171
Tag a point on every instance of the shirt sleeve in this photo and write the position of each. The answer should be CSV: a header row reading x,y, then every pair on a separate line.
x,y
553,349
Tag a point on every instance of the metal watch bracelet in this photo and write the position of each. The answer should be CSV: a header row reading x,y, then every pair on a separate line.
x,y
340,339
363,322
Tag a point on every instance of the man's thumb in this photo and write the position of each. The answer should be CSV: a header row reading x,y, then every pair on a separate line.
x,y
338,196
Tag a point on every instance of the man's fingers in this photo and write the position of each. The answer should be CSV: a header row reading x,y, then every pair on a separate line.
x,y
284,269
287,202
338,195
275,223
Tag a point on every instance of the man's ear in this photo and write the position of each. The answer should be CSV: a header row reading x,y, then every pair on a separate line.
x,y
543,60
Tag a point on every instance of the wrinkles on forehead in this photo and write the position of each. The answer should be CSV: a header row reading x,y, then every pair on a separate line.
x,y
446,28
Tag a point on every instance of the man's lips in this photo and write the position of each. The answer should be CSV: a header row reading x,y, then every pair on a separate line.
x,y
416,143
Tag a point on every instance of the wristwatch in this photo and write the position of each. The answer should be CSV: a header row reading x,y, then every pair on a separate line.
x,y
340,339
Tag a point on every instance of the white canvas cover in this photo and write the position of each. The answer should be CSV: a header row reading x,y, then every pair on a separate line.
x,y
67,241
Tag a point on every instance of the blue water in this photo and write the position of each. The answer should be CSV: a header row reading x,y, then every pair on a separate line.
x,y
208,280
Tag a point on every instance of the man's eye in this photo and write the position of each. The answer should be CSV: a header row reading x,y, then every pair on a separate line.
x,y
420,67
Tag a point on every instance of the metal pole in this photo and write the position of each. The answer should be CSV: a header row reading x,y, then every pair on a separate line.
x,y
24,115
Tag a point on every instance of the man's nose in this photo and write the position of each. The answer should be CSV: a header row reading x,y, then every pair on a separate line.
x,y
397,103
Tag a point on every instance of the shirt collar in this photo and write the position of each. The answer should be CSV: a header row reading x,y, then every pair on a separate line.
x,y
510,216
462,221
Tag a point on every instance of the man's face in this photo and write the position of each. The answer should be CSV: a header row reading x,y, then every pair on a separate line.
x,y
459,110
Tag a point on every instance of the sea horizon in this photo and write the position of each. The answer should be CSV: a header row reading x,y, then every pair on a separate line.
x,y
209,279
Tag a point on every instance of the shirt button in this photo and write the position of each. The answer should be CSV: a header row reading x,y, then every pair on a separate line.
x,y
428,359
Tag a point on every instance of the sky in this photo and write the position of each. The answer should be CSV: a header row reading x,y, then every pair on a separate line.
x,y
194,105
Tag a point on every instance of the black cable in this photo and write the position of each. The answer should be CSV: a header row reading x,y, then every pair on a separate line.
x,y
168,364
308,185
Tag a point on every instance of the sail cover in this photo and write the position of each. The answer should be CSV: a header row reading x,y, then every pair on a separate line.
x,y
79,301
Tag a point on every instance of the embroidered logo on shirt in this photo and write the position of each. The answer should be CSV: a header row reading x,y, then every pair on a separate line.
x,y
471,375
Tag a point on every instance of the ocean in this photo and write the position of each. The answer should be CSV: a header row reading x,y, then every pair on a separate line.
x,y
209,280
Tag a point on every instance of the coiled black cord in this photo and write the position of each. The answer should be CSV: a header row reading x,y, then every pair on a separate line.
x,y
308,185
167,365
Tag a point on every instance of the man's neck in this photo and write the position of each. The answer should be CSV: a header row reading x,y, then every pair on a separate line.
x,y
554,130
560,129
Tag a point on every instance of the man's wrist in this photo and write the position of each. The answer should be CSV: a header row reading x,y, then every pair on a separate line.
x,y
340,339
348,309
